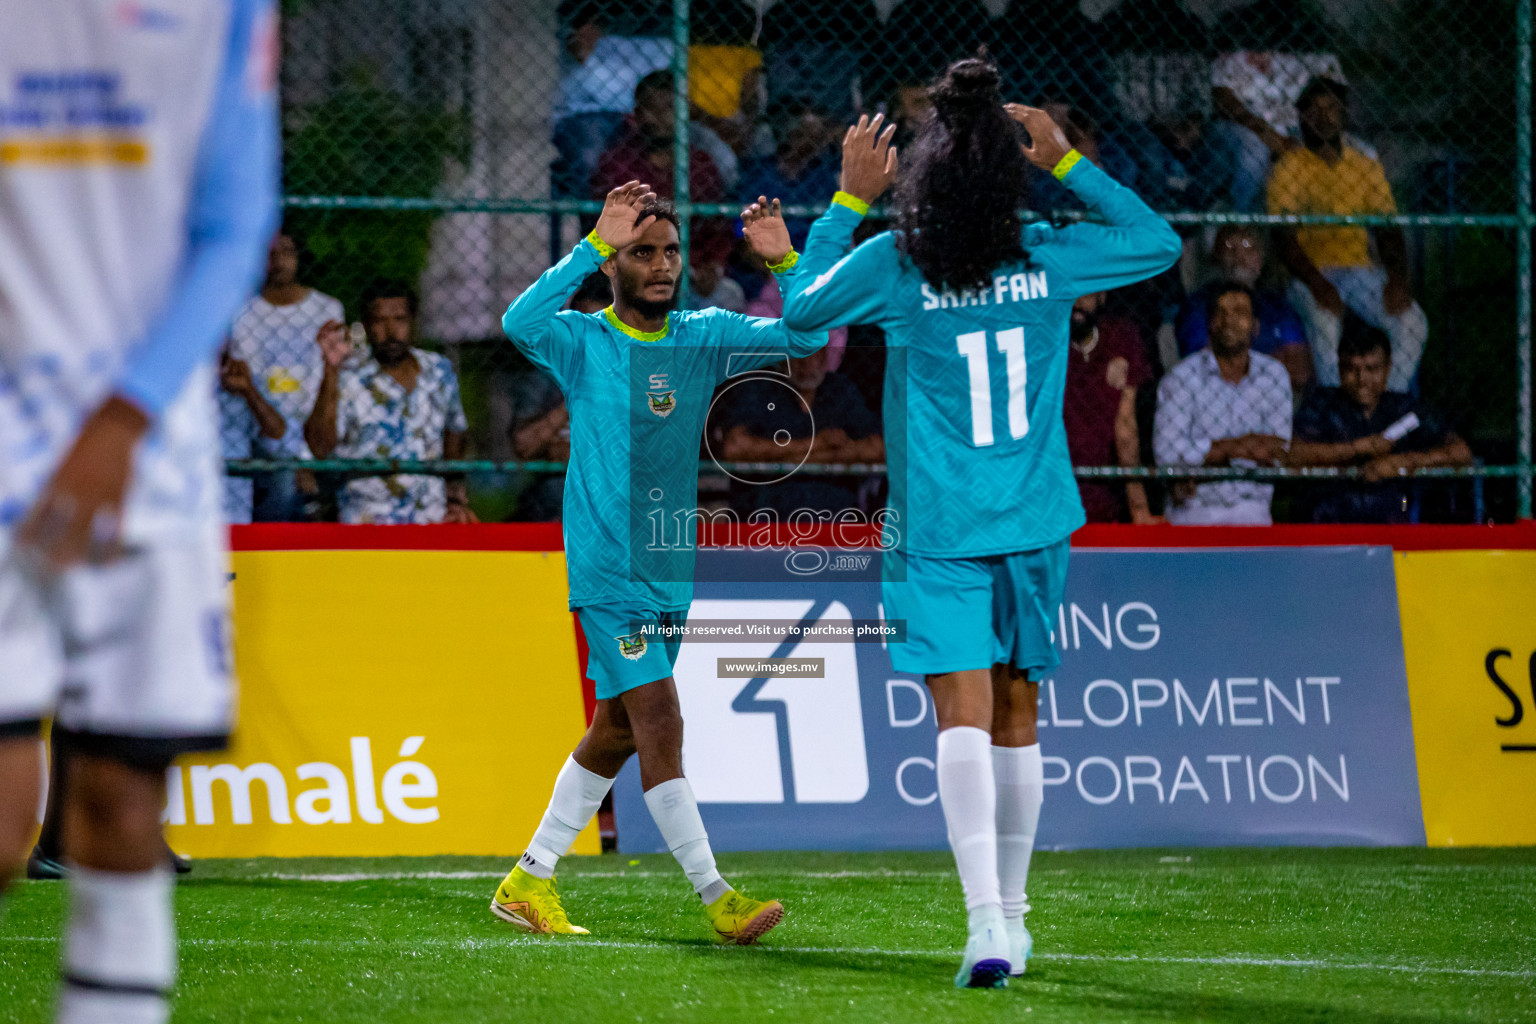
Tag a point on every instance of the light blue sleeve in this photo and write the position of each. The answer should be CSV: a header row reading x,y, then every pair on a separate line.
x,y
230,219
1131,245
533,321
753,342
834,289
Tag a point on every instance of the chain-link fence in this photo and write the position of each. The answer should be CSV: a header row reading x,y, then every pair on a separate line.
x,y
1360,170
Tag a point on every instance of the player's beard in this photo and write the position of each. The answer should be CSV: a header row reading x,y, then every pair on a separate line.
x,y
653,309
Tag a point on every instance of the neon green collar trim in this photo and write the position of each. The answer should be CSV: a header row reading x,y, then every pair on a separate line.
x,y
621,326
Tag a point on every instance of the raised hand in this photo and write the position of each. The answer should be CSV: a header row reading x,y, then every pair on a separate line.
x,y
1395,296
334,344
616,224
1327,296
764,229
869,159
1049,142
235,375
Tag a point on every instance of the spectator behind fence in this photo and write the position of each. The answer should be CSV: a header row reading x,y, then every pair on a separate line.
x,y
1069,60
725,79
598,74
1274,49
1108,363
815,416
1185,165
802,169
273,336
1332,266
1238,255
908,106
399,403
241,400
541,423
708,285
1226,405
815,51
642,148
920,39
1361,423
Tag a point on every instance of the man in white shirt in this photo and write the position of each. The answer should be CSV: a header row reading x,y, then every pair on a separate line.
x,y
275,336
1226,405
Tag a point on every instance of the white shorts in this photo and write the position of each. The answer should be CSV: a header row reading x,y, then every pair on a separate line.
x,y
134,655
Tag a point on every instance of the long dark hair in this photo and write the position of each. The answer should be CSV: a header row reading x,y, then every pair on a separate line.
x,y
965,179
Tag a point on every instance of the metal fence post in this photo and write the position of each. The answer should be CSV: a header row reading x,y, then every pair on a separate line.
x,y
1523,210
680,140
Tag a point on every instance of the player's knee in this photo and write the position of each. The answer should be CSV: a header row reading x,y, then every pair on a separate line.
x,y
663,732
1015,708
19,782
113,812
659,731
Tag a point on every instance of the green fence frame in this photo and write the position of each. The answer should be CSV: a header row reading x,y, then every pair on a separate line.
x,y
1522,220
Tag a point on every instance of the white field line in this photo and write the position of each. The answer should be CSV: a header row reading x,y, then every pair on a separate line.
x,y
397,876
577,944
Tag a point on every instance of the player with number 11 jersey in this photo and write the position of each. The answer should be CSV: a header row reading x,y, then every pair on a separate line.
x,y
976,305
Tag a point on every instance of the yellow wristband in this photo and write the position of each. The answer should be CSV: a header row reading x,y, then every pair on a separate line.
x,y
603,248
1066,164
786,263
853,203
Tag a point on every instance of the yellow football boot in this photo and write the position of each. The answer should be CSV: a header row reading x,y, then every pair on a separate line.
x,y
532,904
740,920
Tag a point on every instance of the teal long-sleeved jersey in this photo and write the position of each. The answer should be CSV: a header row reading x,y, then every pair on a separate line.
x,y
637,404
974,384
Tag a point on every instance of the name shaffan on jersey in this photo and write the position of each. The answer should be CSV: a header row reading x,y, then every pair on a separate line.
x,y
138,185
637,404
982,465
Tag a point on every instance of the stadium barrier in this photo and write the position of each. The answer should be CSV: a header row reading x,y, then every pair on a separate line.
x,y
1221,686
391,700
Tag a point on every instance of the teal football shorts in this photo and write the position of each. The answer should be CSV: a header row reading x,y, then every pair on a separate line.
x,y
969,613
620,654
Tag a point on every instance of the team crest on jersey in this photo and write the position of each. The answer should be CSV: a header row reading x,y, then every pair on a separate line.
x,y
632,646
660,401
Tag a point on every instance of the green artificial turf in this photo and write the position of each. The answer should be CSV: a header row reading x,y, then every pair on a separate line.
x,y
1240,936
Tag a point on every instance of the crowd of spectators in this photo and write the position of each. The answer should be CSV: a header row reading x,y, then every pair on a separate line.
x,y
295,386
1265,347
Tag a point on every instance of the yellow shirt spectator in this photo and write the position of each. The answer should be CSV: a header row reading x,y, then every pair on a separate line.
x,y
715,74
1303,182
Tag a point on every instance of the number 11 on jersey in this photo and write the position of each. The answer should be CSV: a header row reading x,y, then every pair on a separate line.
x,y
973,347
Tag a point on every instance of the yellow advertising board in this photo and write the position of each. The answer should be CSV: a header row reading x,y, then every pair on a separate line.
x,y
1469,637
392,703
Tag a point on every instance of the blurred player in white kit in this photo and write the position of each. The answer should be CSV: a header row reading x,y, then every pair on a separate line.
x,y
138,189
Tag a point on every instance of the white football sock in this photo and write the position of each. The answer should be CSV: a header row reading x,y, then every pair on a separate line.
x,y
577,796
969,796
1020,779
676,814
119,948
